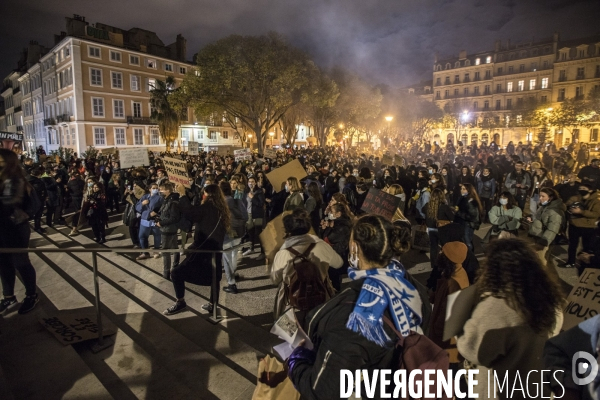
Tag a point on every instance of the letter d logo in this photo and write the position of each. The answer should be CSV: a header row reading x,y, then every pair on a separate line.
x,y
580,367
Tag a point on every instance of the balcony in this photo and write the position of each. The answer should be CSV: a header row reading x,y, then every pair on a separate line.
x,y
580,77
562,78
19,128
456,81
17,109
49,121
17,89
63,118
140,120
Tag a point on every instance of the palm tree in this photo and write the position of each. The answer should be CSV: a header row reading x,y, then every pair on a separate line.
x,y
163,112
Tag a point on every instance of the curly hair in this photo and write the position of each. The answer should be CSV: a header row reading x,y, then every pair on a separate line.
x,y
514,272
437,198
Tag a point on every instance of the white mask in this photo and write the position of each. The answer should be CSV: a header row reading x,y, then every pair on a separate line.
x,y
504,201
331,216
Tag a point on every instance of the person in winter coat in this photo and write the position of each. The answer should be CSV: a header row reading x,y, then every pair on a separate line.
x,y
437,213
549,221
519,308
349,331
295,199
584,211
518,183
540,180
52,201
255,207
505,216
486,189
590,174
469,212
465,176
133,194
40,188
113,193
336,232
148,206
350,193
453,278
314,205
331,185
168,223
94,208
239,219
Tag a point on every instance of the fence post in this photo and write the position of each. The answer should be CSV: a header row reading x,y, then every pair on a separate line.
x,y
102,343
215,319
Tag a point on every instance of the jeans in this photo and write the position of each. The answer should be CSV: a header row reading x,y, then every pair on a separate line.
x,y
18,262
169,242
588,241
230,258
145,232
469,232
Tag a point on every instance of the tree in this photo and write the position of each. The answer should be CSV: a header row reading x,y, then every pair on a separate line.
x,y
249,78
167,109
320,100
290,121
569,115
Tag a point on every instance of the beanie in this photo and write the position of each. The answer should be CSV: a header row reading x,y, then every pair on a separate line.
x,y
455,251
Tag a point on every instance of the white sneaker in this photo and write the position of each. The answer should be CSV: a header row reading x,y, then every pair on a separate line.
x,y
247,252
156,255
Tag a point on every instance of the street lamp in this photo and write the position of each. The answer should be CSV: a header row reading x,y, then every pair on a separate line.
x,y
271,134
345,138
389,119
250,140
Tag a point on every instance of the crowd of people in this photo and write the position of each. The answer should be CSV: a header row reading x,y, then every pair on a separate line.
x,y
530,198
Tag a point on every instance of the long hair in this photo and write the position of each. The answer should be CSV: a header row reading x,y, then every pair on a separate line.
x,y
437,198
315,193
513,272
214,195
472,194
12,168
379,239
294,184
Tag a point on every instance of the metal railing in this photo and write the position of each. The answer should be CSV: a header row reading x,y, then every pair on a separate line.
x,y
102,344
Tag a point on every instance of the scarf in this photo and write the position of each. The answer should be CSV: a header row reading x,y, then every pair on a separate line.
x,y
384,288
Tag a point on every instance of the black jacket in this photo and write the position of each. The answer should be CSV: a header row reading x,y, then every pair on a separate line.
x,y
52,189
169,215
339,236
39,187
239,215
468,213
75,187
445,213
258,203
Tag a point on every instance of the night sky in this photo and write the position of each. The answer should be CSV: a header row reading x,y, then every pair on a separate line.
x,y
391,42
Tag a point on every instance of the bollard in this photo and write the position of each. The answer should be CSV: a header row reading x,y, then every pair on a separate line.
x,y
102,343
215,319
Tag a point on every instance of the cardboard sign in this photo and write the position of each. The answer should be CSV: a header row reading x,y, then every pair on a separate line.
x,y
193,148
109,150
69,327
242,154
281,174
42,158
380,203
387,160
272,237
270,153
584,300
177,171
137,157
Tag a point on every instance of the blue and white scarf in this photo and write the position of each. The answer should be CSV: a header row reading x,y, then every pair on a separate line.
x,y
384,288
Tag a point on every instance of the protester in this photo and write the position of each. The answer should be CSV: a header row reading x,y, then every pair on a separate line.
x,y
486,189
233,237
505,216
437,214
148,206
169,216
469,212
94,208
295,199
255,207
314,205
583,211
548,222
133,193
336,232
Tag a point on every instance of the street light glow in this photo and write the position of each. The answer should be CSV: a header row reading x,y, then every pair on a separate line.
x,y
389,118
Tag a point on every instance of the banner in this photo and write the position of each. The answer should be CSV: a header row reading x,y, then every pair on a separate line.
x,y
281,174
11,141
193,148
177,171
584,300
380,203
137,157
242,154
270,153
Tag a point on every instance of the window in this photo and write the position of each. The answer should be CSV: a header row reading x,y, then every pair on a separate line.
x,y
120,137
581,73
447,81
437,95
520,86
117,80
182,70
225,134
134,60
563,56
500,70
94,52
486,89
477,76
486,105
446,93
594,135
498,87
212,135
448,66
488,74
546,64
115,56
457,64
438,81
185,135
118,109
466,91
169,67
97,107
138,136
151,63
99,136
544,83
519,119
488,59
561,95
522,68
597,75
67,53
475,105
154,138
581,53
96,77
579,92
137,110
534,66
467,78
200,134
508,104
520,102
532,84
477,61
476,90
151,84
456,92
498,104
562,75
467,63
135,83
544,99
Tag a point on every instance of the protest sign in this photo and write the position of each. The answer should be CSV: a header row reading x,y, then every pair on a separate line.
x,y
177,171
270,153
584,300
42,158
380,203
137,157
459,308
193,148
242,154
11,141
387,159
74,327
281,174
272,237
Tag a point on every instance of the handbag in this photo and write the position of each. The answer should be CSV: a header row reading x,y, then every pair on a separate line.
x,y
442,222
273,382
420,238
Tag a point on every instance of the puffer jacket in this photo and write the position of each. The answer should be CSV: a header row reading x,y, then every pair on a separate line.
x,y
169,215
549,222
468,213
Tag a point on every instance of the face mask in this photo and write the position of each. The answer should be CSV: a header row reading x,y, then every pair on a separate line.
x,y
353,258
544,202
583,193
504,201
287,188
355,174
331,216
154,192
433,181
90,184
431,171
464,194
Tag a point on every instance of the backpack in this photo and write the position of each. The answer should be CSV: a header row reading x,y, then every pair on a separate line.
x,y
32,204
418,352
307,289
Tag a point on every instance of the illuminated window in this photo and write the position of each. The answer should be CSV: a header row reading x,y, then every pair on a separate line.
x,y
532,84
544,83
520,86
477,61
488,59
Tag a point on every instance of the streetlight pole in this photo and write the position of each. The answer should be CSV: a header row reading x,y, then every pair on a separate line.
x,y
271,134
250,141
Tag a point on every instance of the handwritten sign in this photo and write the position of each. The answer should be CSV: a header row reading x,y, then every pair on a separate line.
x,y
177,171
193,148
69,328
584,300
380,203
281,174
387,160
242,154
270,153
137,157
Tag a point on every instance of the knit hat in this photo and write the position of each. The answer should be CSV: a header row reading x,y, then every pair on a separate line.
x,y
535,165
455,251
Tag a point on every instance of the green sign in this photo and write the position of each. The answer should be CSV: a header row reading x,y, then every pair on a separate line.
x,y
97,33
